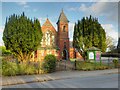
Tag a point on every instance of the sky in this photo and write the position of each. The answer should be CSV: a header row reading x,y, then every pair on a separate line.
x,y
106,12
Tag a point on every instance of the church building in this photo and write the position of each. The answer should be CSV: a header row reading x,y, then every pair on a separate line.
x,y
56,42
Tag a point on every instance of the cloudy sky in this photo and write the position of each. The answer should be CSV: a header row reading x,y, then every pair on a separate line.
x,y
106,12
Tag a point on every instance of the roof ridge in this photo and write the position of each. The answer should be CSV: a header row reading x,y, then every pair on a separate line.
x,y
47,22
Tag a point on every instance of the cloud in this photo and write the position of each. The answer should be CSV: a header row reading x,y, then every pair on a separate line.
x,y
110,31
83,7
23,4
107,9
42,20
1,29
71,30
105,1
1,34
35,10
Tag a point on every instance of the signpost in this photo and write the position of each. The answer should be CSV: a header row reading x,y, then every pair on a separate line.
x,y
94,55
91,55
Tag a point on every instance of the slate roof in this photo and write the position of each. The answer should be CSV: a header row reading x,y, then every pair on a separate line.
x,y
62,17
93,48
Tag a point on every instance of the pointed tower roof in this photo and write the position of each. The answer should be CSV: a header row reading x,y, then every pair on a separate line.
x,y
62,17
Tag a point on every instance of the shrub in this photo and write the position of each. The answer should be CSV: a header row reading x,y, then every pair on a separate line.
x,y
4,51
30,70
21,69
49,64
88,66
8,68
25,68
115,61
11,68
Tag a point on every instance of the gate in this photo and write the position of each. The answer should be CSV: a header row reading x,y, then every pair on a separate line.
x,y
63,65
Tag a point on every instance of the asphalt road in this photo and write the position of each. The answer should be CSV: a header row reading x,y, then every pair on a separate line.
x,y
101,81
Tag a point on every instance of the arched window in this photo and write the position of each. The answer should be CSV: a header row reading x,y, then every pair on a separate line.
x,y
64,28
42,42
47,37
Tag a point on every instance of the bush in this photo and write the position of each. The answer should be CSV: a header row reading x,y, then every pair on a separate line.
x,y
30,70
85,66
4,51
26,68
8,68
49,64
101,67
115,61
12,69
21,68
88,66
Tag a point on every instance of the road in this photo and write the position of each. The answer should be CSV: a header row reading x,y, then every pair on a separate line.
x,y
100,81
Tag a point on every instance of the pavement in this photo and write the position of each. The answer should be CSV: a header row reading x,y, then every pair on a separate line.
x,y
13,80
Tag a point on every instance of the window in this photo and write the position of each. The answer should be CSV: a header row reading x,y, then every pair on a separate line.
x,y
47,37
64,44
53,40
42,53
64,28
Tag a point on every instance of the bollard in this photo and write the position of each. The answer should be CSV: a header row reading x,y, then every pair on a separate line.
x,y
75,64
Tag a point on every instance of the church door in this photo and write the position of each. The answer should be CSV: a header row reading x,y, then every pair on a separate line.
x,y
65,54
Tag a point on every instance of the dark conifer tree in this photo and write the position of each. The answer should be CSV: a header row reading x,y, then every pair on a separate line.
x,y
22,36
89,33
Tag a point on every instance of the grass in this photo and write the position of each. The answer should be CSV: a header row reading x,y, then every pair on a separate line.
x,y
73,59
88,66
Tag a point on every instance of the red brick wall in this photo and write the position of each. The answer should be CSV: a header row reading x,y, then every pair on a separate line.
x,y
62,37
72,54
48,26
42,53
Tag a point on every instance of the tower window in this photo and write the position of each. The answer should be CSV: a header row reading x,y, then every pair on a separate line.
x,y
64,44
64,28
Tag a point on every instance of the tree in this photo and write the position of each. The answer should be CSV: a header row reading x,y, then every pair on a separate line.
x,y
4,51
110,43
22,36
118,46
88,32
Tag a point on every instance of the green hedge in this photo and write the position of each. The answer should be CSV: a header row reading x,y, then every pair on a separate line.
x,y
9,68
25,68
12,69
115,62
49,64
88,66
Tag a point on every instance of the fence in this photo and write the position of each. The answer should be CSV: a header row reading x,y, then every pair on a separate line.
x,y
108,61
64,65
68,65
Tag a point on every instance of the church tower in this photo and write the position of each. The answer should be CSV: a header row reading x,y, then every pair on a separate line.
x,y
63,36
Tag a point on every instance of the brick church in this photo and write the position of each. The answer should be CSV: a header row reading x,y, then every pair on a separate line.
x,y
56,42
